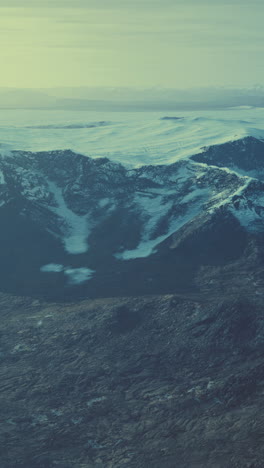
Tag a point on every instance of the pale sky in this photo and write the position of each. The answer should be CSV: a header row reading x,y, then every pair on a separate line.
x,y
131,43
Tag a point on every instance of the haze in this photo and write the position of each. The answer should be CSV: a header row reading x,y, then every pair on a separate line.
x,y
119,43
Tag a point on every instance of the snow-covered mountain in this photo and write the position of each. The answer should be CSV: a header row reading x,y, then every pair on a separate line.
x,y
132,139
71,224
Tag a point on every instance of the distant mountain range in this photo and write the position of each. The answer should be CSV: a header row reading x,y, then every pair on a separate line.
x,y
128,99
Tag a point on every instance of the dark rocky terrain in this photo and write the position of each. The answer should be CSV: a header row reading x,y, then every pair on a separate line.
x,y
171,381
245,155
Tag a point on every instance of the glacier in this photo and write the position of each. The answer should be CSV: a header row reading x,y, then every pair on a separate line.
x,y
132,138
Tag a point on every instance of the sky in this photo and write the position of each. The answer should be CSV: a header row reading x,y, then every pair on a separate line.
x,y
124,43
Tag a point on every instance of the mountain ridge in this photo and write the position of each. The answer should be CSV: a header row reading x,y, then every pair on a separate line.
x,y
78,202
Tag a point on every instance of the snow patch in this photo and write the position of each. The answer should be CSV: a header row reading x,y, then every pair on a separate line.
x,y
52,268
77,227
104,202
78,275
74,275
156,210
195,194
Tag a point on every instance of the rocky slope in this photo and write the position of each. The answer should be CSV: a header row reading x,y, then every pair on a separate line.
x,y
75,226
171,381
